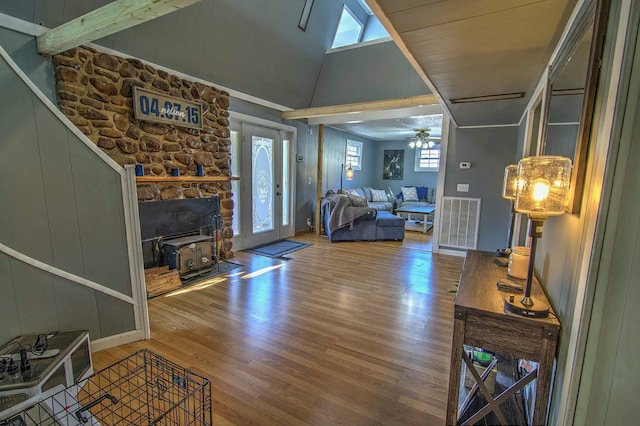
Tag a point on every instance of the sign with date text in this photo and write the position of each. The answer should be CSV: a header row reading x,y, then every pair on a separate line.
x,y
160,108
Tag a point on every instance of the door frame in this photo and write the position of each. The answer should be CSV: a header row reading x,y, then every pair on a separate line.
x,y
442,172
237,120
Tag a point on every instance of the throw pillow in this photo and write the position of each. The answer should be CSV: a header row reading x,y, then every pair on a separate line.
x,y
422,193
357,201
409,193
352,192
378,195
366,193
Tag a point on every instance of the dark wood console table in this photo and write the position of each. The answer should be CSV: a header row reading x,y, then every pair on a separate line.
x,y
481,321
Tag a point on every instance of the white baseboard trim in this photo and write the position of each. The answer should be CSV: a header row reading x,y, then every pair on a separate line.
x,y
117,340
452,252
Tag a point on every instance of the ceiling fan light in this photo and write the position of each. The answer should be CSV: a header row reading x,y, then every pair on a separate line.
x,y
412,144
419,143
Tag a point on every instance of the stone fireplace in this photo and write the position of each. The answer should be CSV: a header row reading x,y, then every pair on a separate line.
x,y
94,90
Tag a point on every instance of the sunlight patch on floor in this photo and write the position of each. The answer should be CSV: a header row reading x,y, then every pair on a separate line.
x,y
198,286
262,271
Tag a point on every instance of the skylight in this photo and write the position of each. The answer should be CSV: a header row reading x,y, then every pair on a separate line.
x,y
374,30
349,29
352,32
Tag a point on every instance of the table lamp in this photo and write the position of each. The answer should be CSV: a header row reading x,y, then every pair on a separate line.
x,y
541,191
509,190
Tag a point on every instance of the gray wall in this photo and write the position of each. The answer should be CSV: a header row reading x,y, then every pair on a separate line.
x,y
335,142
557,258
62,205
608,387
611,372
611,375
489,150
22,49
369,73
409,176
242,45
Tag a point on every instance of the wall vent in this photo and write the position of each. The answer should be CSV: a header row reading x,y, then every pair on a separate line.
x,y
459,222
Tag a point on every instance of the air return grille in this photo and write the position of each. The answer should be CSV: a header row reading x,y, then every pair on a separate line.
x,y
459,222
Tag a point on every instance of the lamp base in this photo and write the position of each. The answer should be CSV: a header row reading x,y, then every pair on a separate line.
x,y
505,252
538,308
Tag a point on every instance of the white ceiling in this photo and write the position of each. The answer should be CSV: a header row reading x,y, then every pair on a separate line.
x,y
387,125
389,129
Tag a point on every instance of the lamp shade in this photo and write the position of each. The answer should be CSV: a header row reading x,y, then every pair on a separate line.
x,y
543,186
510,183
349,173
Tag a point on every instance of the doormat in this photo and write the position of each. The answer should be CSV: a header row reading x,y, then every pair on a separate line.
x,y
278,249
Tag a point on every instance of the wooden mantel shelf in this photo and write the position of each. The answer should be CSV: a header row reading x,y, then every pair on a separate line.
x,y
142,179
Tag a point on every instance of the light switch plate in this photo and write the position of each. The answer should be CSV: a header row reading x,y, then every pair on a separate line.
x,y
463,187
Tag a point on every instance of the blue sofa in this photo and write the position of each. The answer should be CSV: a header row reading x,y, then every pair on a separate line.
x,y
365,191
426,197
372,226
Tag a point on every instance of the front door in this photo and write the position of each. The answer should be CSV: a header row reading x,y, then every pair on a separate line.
x,y
266,189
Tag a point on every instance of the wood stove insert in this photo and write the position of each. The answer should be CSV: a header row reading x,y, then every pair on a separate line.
x,y
184,234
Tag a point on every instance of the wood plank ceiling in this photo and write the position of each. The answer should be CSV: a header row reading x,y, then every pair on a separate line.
x,y
472,48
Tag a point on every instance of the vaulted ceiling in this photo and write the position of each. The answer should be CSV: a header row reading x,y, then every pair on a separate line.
x,y
467,49
461,49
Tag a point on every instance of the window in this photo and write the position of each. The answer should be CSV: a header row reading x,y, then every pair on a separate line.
x,y
349,29
235,184
351,32
286,178
373,30
354,154
427,159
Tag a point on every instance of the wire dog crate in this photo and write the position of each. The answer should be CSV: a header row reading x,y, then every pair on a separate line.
x,y
142,389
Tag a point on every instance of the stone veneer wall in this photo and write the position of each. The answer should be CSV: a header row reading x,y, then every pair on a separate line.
x,y
94,91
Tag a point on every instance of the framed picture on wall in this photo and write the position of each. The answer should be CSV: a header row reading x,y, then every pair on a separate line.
x,y
393,164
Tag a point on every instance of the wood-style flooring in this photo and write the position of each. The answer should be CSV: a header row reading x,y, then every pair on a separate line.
x,y
350,333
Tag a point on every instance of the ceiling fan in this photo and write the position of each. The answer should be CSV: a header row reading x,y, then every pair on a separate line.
x,y
423,139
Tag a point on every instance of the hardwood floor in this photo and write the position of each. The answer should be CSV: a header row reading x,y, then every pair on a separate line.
x,y
354,333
